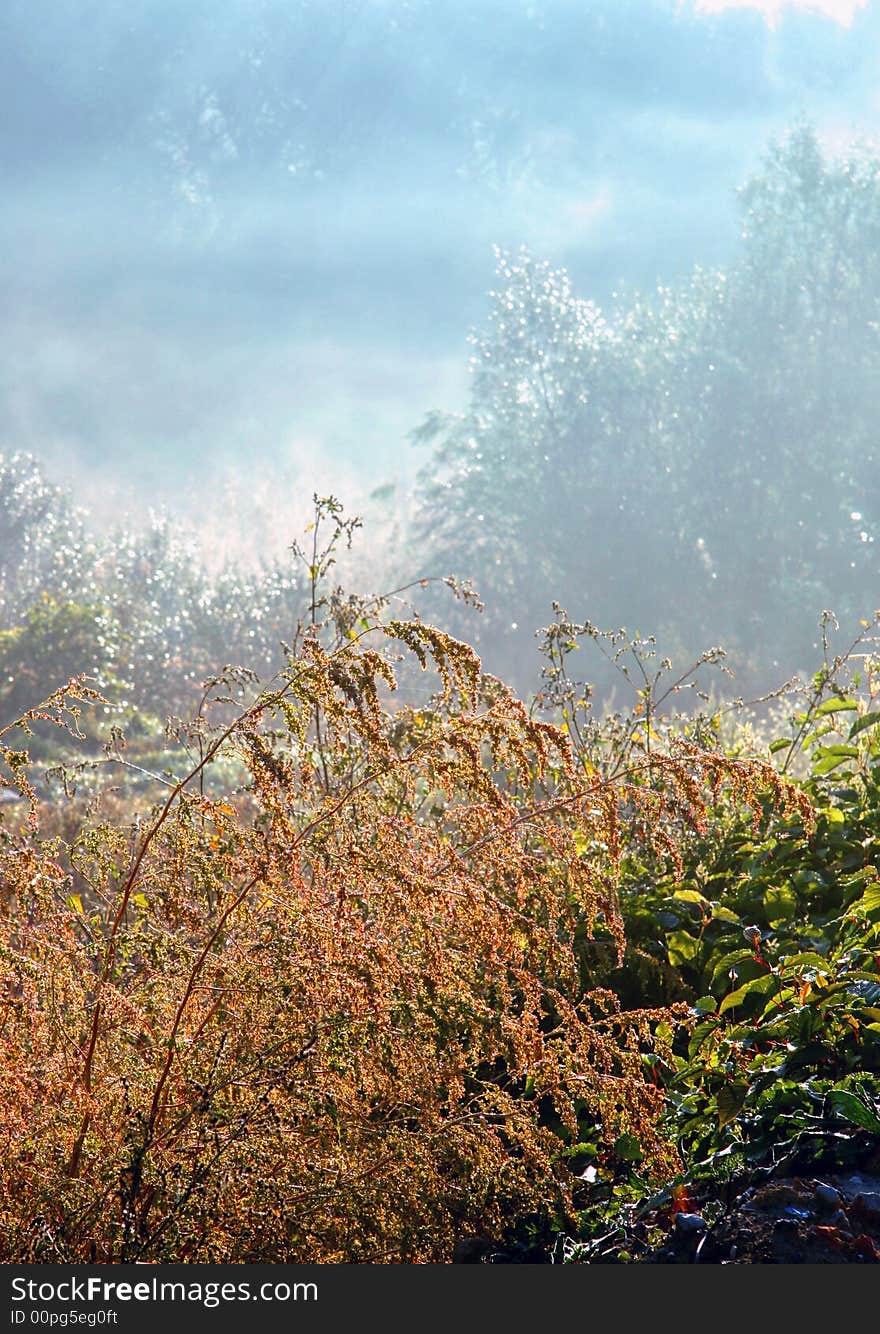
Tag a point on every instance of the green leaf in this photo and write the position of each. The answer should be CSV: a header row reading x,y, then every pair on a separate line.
x,y
758,986
781,743
853,1109
733,998
680,947
862,724
781,905
729,1102
804,967
724,965
830,761
707,1005
689,896
628,1148
869,901
700,1035
838,705
720,914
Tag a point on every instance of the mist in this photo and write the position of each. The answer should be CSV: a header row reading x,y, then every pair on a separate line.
x,y
269,229
242,250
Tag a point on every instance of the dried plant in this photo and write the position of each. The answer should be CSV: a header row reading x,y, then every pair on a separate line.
x,y
334,1013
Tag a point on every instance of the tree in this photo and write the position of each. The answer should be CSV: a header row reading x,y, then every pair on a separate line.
x,y
781,433
699,463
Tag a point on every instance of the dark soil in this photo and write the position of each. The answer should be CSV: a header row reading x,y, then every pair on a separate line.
x,y
828,1217
831,1218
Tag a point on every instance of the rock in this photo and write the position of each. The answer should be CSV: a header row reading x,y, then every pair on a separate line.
x,y
828,1196
868,1204
690,1225
850,1186
777,1195
863,1194
471,1251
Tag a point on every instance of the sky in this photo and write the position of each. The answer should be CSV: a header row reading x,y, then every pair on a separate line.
x,y
255,235
840,11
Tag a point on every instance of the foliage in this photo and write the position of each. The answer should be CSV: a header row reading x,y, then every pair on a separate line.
x,y
42,537
769,929
64,639
334,1013
718,435
386,966
137,608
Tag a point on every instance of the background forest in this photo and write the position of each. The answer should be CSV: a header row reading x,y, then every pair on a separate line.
x,y
697,463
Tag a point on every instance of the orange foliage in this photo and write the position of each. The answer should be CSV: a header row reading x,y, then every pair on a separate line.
x,y
337,1015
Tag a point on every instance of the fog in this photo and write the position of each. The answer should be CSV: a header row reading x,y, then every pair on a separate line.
x,y
268,226
242,246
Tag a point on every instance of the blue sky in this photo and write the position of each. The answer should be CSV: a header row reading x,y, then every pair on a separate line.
x,y
260,231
